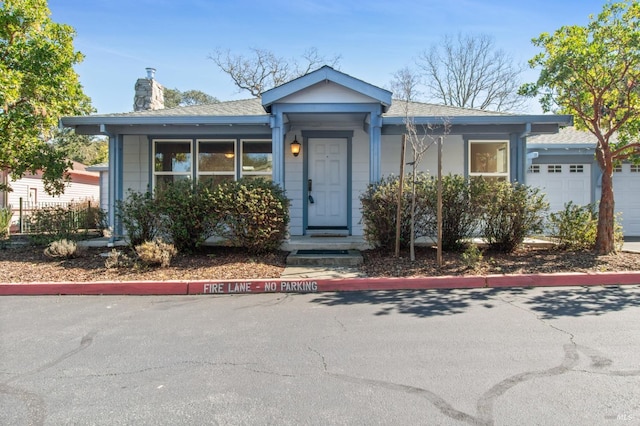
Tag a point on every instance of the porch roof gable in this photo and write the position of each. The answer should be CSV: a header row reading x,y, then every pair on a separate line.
x,y
326,73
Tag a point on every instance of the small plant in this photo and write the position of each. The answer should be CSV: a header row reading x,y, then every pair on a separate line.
x,y
5,222
117,259
471,256
156,253
574,227
63,248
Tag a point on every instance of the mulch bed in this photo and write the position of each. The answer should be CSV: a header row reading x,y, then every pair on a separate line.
x,y
29,264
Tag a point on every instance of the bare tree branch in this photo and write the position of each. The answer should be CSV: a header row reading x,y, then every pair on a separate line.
x,y
470,72
262,69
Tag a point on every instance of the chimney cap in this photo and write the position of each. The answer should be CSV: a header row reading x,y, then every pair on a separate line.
x,y
151,73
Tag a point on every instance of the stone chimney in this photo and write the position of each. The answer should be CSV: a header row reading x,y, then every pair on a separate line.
x,y
149,93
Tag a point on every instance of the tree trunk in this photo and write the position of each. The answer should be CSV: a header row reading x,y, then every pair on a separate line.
x,y
412,240
605,242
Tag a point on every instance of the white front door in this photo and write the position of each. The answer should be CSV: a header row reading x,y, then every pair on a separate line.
x,y
327,186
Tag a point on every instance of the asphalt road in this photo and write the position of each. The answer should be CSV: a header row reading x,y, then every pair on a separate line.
x,y
515,356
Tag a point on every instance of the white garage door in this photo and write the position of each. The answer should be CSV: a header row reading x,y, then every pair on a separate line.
x,y
562,183
626,192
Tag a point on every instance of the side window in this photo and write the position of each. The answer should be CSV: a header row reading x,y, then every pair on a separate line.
x,y
216,160
489,159
257,159
172,161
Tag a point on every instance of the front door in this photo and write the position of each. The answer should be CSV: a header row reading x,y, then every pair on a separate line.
x,y
327,184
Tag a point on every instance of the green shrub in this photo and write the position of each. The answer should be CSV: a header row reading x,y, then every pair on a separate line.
x,y
156,253
63,248
511,212
462,207
380,210
139,217
254,213
188,213
575,227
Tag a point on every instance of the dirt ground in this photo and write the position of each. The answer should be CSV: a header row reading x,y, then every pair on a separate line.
x,y
29,264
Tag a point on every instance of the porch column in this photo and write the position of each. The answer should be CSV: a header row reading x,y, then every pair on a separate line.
x,y
115,181
375,137
277,135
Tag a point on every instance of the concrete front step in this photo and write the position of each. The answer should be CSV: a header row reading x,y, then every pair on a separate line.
x,y
324,258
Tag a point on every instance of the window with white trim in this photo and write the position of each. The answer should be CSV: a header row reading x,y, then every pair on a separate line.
x,y
256,159
634,168
617,168
216,160
534,168
576,168
489,159
554,168
172,160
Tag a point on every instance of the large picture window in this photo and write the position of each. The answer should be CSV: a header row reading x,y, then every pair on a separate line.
x,y
256,159
211,160
172,161
489,159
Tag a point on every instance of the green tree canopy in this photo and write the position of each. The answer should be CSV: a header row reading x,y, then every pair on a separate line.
x,y
84,149
38,85
174,98
593,72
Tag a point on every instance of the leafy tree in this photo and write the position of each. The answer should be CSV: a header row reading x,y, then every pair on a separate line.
x,y
593,72
469,71
84,149
37,85
262,70
174,98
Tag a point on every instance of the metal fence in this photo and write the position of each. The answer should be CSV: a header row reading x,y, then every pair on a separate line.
x,y
48,217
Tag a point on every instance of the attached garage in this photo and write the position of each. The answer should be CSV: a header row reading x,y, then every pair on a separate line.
x,y
562,183
626,193
564,166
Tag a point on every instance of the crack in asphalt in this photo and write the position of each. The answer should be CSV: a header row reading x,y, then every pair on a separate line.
x,y
34,402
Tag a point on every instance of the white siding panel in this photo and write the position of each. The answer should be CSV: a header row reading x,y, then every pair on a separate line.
x,y
293,189
136,163
327,92
452,156
359,176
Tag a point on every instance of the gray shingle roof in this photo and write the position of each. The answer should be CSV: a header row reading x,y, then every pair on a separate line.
x,y
566,136
243,107
420,109
252,107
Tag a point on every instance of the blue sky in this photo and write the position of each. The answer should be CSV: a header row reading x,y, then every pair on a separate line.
x,y
120,38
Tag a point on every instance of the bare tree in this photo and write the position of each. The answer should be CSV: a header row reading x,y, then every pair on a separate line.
x,y
405,87
469,71
262,69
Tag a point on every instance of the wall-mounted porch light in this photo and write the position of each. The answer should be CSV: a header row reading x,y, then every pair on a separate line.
x,y
295,146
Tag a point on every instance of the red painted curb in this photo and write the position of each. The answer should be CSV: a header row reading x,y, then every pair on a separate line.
x,y
318,285
564,279
96,288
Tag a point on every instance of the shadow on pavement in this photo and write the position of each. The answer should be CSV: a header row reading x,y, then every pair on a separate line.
x,y
426,303
583,301
551,304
